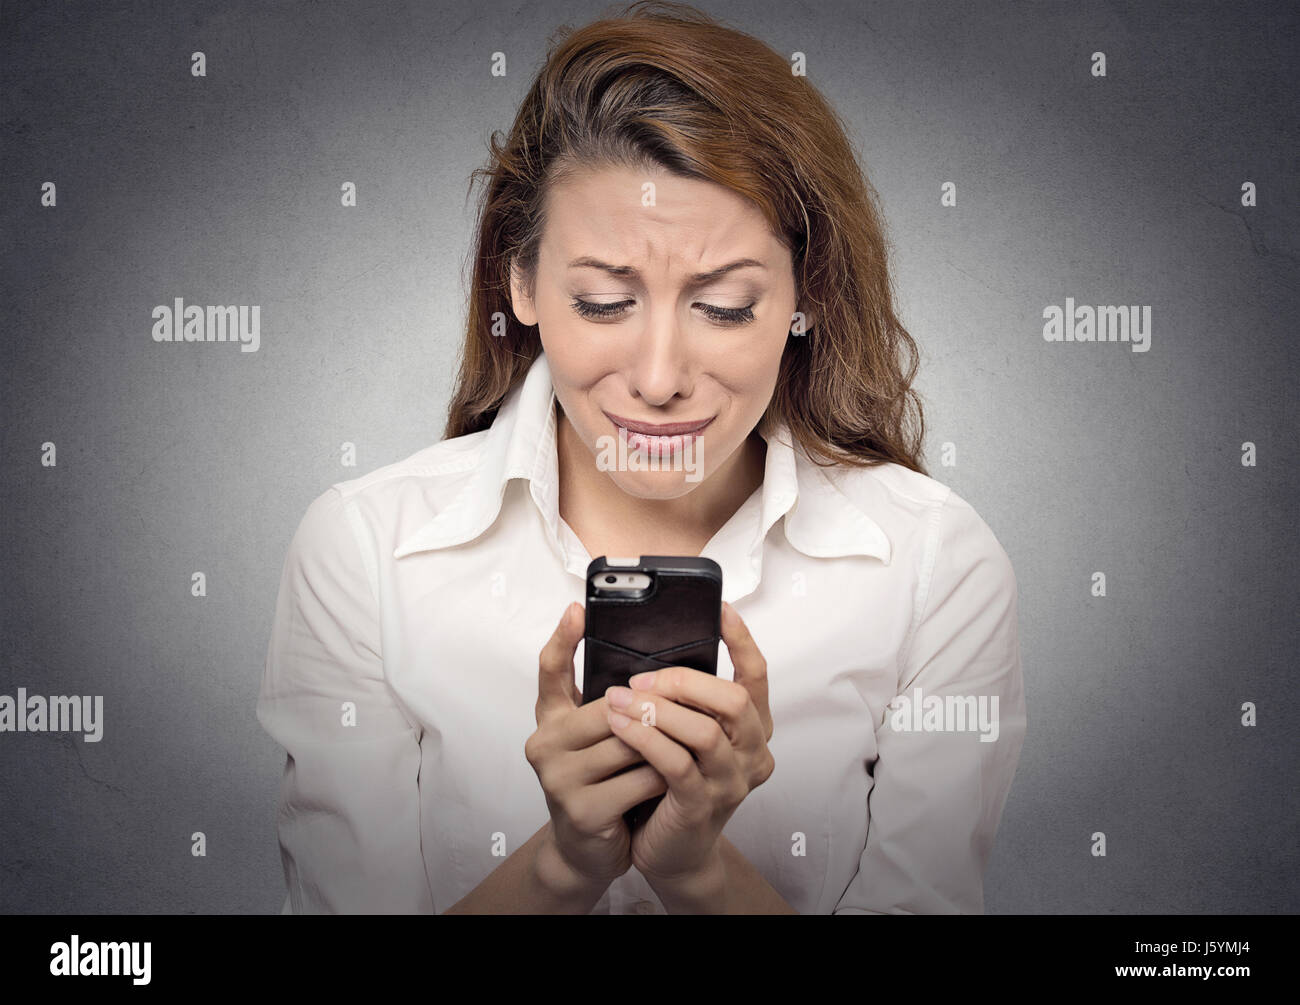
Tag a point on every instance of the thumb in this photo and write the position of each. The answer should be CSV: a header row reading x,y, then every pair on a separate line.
x,y
556,690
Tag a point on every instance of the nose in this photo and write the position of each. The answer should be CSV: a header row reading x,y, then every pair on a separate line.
x,y
660,367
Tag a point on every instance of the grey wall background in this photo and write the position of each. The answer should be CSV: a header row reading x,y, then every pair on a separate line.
x,y
1082,457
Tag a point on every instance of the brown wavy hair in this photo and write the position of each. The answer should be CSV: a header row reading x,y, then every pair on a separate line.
x,y
664,84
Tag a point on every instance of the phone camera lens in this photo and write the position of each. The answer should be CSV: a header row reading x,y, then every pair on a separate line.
x,y
611,579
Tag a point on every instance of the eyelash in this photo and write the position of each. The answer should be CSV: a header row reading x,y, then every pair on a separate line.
x,y
726,315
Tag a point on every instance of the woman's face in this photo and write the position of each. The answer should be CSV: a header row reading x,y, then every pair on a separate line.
x,y
632,330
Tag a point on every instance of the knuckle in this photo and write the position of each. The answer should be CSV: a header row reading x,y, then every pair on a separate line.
x,y
737,701
537,748
679,770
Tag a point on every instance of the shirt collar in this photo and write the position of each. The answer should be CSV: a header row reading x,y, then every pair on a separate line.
x,y
820,520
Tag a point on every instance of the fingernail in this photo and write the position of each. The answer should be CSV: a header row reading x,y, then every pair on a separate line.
x,y
619,697
644,681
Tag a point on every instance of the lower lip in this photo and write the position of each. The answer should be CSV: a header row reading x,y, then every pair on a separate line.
x,y
666,446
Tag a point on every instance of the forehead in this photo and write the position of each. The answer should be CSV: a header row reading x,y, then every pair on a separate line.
x,y
652,215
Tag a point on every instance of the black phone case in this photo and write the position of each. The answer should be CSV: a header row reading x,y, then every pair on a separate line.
x,y
678,622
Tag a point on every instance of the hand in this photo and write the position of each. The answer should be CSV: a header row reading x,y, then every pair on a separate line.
x,y
711,759
575,754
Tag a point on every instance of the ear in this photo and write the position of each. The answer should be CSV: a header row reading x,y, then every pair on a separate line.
x,y
520,302
809,319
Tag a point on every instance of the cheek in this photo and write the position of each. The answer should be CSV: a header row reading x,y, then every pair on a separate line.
x,y
573,354
751,370
578,380
575,375
579,352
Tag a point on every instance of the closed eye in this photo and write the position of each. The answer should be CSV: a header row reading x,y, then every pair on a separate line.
x,y
723,315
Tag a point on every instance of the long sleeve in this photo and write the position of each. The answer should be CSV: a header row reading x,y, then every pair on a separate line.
x,y
938,794
348,821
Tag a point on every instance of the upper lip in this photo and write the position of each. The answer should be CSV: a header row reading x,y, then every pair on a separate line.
x,y
659,429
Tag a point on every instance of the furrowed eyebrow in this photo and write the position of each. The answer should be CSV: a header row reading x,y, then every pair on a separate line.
x,y
626,271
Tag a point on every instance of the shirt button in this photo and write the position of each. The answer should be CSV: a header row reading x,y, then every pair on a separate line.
x,y
643,907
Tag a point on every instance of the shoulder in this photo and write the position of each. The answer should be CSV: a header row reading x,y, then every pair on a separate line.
x,y
415,488
445,462
354,514
889,486
924,515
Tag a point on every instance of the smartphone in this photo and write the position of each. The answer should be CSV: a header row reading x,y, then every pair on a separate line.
x,y
646,613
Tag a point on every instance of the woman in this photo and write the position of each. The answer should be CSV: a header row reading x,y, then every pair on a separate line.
x,y
675,233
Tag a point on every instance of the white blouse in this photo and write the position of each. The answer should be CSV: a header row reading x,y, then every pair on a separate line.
x,y
401,677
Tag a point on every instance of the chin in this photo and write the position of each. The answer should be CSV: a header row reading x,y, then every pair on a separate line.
x,y
655,484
